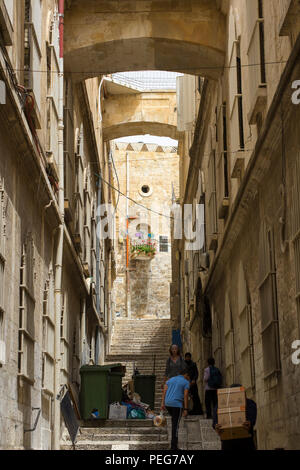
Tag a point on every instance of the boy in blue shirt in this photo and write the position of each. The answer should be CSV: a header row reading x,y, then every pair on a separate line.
x,y
175,400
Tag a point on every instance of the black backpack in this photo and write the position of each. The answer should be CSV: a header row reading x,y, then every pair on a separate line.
x,y
215,377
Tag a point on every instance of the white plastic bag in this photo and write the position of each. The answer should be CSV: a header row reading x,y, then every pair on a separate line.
x,y
117,411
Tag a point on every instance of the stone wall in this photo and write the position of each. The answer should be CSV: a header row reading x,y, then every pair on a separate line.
x,y
149,281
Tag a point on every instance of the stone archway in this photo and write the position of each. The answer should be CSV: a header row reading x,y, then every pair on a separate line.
x,y
107,36
128,114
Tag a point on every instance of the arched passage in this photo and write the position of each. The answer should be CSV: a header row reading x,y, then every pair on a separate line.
x,y
185,36
140,113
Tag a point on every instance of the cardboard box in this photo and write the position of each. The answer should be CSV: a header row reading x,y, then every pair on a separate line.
x,y
231,397
231,420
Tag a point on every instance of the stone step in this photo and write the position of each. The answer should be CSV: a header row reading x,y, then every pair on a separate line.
x,y
120,423
122,437
142,430
118,445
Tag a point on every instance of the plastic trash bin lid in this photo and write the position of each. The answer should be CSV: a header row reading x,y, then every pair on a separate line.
x,y
104,368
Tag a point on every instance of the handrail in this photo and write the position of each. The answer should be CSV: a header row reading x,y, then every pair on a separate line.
x,y
36,421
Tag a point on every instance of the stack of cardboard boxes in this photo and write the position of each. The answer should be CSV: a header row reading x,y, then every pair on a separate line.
x,y
232,413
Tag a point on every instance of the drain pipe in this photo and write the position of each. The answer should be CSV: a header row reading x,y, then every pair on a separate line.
x,y
128,309
60,242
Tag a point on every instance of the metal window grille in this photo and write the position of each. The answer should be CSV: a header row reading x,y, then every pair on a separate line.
x,y
26,312
212,195
268,303
163,244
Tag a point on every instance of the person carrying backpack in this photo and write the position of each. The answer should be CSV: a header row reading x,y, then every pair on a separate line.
x,y
213,381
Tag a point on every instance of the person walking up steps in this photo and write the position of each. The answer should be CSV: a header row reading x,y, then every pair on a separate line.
x,y
194,374
213,381
175,400
175,364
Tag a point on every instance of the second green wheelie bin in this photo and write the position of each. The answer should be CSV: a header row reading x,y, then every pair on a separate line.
x,y
144,385
100,386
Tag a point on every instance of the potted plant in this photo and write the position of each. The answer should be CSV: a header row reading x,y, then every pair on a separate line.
x,y
143,250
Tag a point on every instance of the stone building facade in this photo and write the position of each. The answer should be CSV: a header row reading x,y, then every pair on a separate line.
x,y
239,294
147,174
52,317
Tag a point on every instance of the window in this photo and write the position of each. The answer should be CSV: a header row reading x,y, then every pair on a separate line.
x,y
69,152
295,229
87,222
163,244
235,87
222,159
246,333
256,53
2,245
26,312
212,196
145,190
216,338
10,9
268,303
52,93
229,344
76,355
79,191
64,340
48,337
93,242
32,48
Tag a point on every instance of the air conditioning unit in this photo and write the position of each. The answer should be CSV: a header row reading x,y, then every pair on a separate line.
x,y
2,352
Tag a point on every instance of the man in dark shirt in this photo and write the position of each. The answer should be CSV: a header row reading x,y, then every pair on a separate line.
x,y
240,444
193,373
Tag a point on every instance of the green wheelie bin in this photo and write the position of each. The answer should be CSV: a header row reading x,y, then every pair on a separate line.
x,y
144,385
100,386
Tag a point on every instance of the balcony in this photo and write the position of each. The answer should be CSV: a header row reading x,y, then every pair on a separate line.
x,y
143,250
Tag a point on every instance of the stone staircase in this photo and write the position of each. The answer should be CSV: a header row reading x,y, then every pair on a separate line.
x,y
195,433
142,344
119,435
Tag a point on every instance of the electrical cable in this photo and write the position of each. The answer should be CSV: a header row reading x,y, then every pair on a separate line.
x,y
132,200
100,73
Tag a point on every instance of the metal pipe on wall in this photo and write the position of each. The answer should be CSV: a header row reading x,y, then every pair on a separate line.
x,y
128,310
60,242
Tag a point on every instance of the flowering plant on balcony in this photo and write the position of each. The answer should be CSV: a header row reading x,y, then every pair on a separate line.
x,y
143,248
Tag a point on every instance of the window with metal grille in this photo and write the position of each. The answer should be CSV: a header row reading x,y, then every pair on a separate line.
x,y
48,337
2,246
64,340
229,344
212,195
163,244
76,355
225,149
246,334
256,47
32,48
240,95
216,339
295,229
26,312
268,303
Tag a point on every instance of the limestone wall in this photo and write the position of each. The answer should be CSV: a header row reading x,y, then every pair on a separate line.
x,y
149,281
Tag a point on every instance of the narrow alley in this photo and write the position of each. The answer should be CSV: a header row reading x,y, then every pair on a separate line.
x,y
149,225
